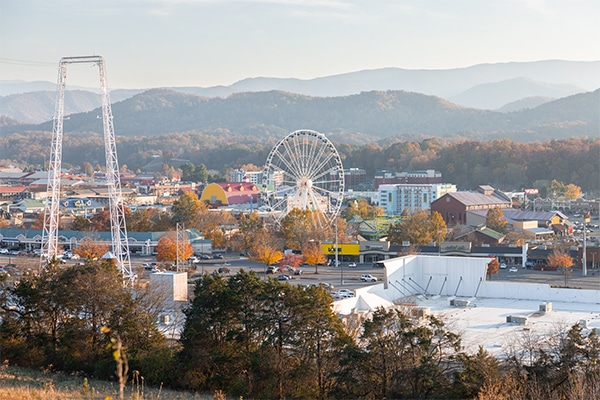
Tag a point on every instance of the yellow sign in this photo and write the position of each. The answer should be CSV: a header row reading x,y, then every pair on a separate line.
x,y
347,249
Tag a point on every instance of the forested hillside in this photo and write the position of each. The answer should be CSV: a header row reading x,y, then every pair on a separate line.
x,y
503,163
359,119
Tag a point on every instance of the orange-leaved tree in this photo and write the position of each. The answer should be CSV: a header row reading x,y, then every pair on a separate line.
x,y
492,267
560,259
166,248
313,255
265,249
91,248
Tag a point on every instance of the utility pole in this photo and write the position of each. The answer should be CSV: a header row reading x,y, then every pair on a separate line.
x,y
336,253
586,219
181,240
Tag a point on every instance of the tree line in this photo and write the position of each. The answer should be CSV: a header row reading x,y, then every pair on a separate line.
x,y
502,163
254,338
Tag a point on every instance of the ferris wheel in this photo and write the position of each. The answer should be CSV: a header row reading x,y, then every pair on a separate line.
x,y
304,171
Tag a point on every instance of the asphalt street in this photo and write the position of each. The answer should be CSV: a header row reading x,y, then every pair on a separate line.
x,y
341,277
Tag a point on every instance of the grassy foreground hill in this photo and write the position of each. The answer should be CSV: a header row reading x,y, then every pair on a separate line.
x,y
27,384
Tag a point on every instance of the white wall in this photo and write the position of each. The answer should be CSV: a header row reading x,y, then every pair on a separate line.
x,y
446,276
412,274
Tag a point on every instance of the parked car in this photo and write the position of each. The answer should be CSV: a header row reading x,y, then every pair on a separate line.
x,y
272,269
352,265
345,293
378,265
218,256
298,272
284,277
502,265
513,269
368,278
223,270
3,251
326,285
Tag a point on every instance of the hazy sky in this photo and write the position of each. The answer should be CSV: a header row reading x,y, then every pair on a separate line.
x,y
155,43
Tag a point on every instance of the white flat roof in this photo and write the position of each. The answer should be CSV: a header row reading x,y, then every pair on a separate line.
x,y
484,321
432,282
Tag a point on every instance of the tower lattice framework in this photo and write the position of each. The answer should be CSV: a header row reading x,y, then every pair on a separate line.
x,y
119,239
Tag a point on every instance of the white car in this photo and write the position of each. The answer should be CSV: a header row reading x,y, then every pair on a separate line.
x,y
503,266
513,269
352,265
344,293
368,278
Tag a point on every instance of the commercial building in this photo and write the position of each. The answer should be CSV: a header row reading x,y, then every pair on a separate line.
x,y
454,206
396,198
387,177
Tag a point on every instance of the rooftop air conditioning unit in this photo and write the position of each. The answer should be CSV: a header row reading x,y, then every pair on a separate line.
x,y
459,303
513,319
421,312
545,307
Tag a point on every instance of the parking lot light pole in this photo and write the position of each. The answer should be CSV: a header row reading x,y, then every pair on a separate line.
x,y
336,254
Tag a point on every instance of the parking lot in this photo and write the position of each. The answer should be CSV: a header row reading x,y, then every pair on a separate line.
x,y
575,278
339,277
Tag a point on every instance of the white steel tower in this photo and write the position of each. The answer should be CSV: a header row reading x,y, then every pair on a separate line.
x,y
120,245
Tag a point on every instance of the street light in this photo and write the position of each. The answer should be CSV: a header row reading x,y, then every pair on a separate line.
x,y
336,254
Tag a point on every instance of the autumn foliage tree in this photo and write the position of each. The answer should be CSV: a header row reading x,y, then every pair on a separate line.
x,y
265,249
495,220
362,209
560,259
298,227
420,228
492,267
91,248
166,248
291,260
81,224
101,221
313,255
187,208
249,225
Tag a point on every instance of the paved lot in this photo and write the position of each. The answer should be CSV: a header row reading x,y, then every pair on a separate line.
x,y
348,278
575,279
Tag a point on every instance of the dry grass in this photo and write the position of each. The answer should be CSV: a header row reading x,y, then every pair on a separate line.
x,y
25,384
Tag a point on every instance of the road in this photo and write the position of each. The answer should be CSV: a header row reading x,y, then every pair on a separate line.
x,y
310,275
575,279
348,278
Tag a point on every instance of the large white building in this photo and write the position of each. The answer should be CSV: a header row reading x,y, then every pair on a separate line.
x,y
493,314
396,198
238,175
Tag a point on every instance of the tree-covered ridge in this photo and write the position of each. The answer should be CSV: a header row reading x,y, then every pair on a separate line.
x,y
502,163
374,114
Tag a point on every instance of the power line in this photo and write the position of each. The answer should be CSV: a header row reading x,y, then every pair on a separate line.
x,y
31,63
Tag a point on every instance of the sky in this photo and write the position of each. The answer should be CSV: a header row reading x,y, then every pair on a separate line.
x,y
162,43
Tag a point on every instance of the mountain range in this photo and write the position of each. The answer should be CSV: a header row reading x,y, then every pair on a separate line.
x,y
527,101
357,118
